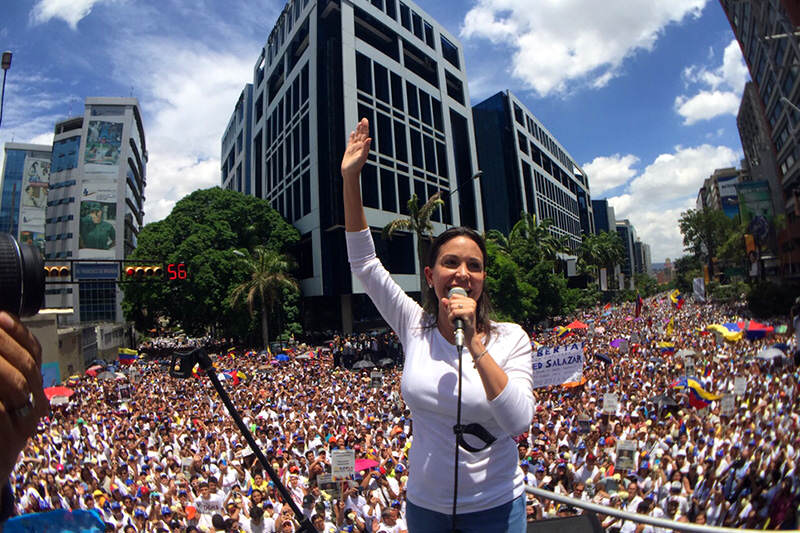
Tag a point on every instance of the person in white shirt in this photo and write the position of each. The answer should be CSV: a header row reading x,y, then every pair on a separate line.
x,y
496,399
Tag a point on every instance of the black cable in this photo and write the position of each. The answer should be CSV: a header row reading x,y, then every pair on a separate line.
x,y
457,429
205,363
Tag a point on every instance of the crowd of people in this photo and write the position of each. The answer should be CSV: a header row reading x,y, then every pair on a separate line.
x,y
166,456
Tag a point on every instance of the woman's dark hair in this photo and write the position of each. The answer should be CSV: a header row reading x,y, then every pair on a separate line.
x,y
430,302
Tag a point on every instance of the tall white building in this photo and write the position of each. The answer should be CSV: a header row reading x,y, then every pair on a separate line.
x,y
95,204
326,64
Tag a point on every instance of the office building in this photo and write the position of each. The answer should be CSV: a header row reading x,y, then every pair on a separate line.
x,y
526,169
642,258
604,219
326,64
627,233
236,146
25,182
95,205
766,32
719,191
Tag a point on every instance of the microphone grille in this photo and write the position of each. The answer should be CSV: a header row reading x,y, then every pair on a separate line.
x,y
456,290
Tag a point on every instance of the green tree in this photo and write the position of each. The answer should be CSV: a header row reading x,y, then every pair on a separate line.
x,y
686,268
268,279
704,232
202,231
418,222
513,298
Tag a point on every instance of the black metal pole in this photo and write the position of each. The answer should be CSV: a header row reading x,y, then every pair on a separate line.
x,y
3,95
205,363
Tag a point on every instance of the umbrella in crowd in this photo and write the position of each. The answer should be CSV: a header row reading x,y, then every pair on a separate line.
x,y
364,464
51,392
281,357
304,356
603,357
59,400
386,361
106,375
93,370
770,354
363,364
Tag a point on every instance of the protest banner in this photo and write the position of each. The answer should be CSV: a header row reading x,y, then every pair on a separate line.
x,y
554,365
728,405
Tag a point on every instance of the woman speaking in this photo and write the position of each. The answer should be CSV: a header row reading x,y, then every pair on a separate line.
x,y
496,399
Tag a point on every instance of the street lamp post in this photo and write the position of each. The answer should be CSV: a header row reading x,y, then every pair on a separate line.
x,y
5,64
475,176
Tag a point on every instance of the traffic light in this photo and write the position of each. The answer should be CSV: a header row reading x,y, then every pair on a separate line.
x,y
57,271
144,272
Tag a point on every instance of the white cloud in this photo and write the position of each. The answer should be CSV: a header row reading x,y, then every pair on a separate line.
x,y
70,11
559,44
719,90
188,94
667,187
606,173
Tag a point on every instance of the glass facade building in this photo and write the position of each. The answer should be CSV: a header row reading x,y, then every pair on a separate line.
x,y
526,169
767,36
325,65
24,184
236,147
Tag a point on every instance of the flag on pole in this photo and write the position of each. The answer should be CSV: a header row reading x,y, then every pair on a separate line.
x,y
670,326
676,298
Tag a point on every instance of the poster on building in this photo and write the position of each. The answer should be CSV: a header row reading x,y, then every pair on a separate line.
x,y
35,182
98,216
754,201
728,196
103,145
34,238
554,365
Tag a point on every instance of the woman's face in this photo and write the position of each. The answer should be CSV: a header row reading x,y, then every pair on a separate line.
x,y
458,264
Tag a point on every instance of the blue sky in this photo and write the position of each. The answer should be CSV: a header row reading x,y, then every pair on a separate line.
x,y
642,94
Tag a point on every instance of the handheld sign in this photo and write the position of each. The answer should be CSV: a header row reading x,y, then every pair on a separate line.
x,y
584,424
728,405
610,403
626,453
376,377
343,464
740,386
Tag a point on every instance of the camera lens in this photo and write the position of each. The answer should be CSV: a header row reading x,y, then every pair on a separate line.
x,y
21,277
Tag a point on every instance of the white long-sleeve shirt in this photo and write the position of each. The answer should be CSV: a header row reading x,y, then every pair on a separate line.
x,y
488,478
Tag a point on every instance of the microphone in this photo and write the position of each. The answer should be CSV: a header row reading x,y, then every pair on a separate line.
x,y
458,323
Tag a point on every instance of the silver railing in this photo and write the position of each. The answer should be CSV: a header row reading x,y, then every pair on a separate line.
x,y
635,517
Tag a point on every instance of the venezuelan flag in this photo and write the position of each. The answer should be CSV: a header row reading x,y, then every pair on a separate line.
x,y
676,298
694,386
671,326
729,331
666,347
562,332
126,356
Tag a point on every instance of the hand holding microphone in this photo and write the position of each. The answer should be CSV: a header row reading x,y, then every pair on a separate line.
x,y
458,305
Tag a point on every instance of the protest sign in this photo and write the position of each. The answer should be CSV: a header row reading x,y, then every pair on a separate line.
x,y
326,483
584,424
376,377
740,386
626,453
610,403
554,365
343,464
728,405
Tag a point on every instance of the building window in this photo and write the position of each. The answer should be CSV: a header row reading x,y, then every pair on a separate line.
x,y
369,186
405,16
388,193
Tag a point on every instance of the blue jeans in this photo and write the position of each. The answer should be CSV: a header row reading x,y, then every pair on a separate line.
x,y
508,517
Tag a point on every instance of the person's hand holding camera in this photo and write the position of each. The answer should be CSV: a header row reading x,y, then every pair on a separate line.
x,y
22,399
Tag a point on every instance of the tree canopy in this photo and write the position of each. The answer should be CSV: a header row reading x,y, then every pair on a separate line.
x,y
202,231
704,232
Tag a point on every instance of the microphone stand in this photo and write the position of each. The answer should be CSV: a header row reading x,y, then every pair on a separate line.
x,y
181,367
458,429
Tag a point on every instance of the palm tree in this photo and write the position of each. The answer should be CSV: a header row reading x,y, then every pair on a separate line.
x,y
269,277
419,222
537,237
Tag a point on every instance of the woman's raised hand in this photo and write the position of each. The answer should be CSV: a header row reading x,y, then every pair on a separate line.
x,y
355,155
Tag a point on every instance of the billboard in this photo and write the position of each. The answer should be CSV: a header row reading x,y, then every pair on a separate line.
x,y
754,201
98,217
35,182
103,146
728,196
